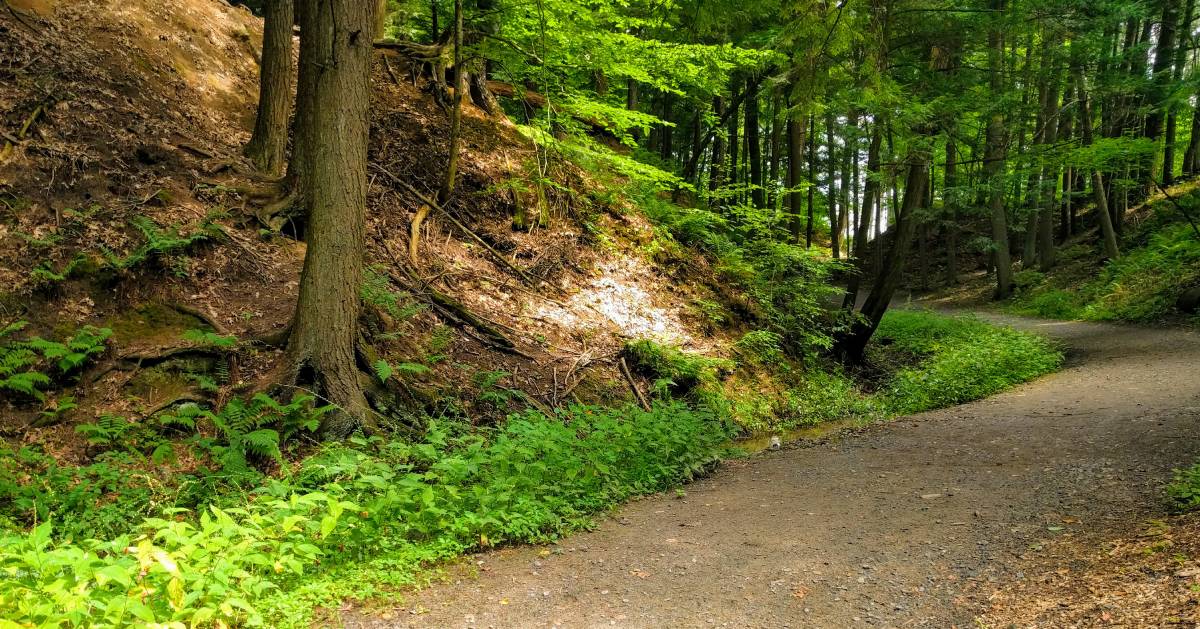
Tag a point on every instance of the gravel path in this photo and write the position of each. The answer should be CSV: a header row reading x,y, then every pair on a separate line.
x,y
909,524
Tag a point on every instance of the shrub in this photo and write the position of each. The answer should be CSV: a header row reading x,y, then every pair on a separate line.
x,y
963,359
1183,494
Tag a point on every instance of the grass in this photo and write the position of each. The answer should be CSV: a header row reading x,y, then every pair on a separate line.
x,y
113,544
1158,262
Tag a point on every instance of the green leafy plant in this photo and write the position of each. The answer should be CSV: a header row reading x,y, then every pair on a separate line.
x,y
208,338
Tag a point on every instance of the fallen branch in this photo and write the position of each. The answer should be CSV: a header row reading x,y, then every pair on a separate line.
x,y
453,310
9,144
633,384
1178,207
433,204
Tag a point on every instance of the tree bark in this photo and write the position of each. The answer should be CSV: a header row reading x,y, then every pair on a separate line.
x,y
950,201
776,150
834,217
1107,233
851,345
754,144
267,147
862,229
716,168
1049,167
731,176
1185,36
995,154
1157,98
812,179
321,348
796,138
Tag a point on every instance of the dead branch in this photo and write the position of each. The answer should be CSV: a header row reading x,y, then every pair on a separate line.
x,y
431,203
633,384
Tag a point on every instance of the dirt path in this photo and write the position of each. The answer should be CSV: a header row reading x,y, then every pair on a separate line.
x,y
908,524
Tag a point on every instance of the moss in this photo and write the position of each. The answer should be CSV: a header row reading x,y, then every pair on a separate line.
x,y
151,322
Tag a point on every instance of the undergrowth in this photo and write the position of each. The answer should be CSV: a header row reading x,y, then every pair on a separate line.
x,y
1159,262
369,508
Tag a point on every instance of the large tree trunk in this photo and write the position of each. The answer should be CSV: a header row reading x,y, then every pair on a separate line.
x,y
754,144
995,154
851,345
796,139
267,147
1157,97
321,348
862,229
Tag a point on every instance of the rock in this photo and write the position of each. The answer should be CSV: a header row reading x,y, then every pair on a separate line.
x,y
930,496
776,443
1189,301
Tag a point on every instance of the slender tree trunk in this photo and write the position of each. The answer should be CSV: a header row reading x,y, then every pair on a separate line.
x,y
716,168
812,179
994,157
267,147
665,147
1049,179
849,156
834,216
734,140
1107,233
753,144
776,150
321,348
950,195
1185,40
862,230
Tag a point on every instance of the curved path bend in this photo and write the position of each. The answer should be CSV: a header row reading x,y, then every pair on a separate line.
x,y
912,523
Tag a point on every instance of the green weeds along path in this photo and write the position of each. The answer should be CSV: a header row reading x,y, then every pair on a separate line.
x,y
914,523
361,519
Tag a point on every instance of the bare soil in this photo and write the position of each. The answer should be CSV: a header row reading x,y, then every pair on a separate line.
x,y
1030,508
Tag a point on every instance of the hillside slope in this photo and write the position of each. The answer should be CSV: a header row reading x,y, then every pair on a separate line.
x,y
124,206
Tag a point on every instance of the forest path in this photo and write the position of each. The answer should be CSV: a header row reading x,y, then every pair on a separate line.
x,y
906,524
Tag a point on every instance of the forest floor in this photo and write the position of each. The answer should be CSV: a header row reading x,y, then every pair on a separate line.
x,y
1041,506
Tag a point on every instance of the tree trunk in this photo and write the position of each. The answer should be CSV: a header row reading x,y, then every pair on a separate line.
x,y
850,346
849,157
665,148
1108,234
267,147
834,217
1049,166
862,229
1158,94
1184,42
812,179
321,348
950,196
994,157
796,139
716,168
753,144
776,150
731,176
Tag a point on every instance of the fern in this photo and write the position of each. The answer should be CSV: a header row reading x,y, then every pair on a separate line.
x,y
211,339
106,432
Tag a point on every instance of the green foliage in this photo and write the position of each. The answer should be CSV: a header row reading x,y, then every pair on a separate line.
x,y
676,372
377,291
385,370
1143,284
1183,493
251,428
161,243
761,347
28,367
208,338
962,359
366,507
1159,262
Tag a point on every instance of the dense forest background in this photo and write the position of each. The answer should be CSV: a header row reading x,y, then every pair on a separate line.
x,y
303,297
